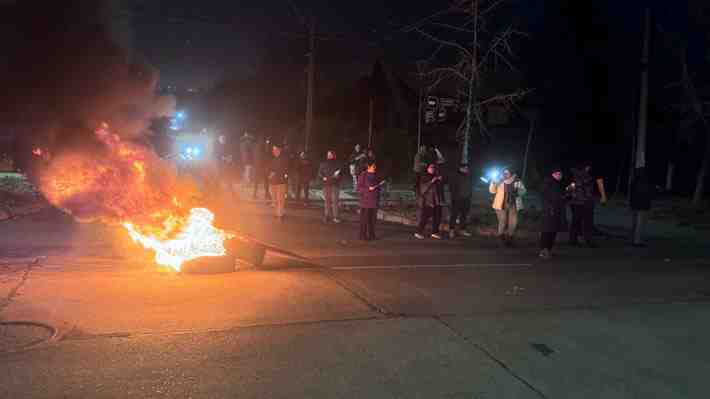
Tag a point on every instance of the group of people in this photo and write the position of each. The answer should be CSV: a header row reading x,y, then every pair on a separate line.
x,y
276,168
265,163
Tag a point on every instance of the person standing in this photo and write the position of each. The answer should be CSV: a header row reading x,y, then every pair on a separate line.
x,y
357,158
422,159
461,189
507,201
582,206
369,188
278,181
640,202
305,172
262,160
429,202
224,156
246,152
554,218
330,173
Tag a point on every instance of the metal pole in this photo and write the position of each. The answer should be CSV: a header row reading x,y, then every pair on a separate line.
x,y
420,67
419,123
372,109
643,103
527,148
311,81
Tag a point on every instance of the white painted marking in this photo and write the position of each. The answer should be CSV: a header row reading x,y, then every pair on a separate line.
x,y
455,266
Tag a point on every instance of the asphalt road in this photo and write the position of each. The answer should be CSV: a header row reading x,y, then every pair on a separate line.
x,y
395,318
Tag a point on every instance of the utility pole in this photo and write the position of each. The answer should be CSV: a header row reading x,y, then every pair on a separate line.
x,y
638,215
369,130
531,130
311,80
419,107
643,101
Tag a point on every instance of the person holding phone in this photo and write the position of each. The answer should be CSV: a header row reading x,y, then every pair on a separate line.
x,y
507,202
430,201
369,187
330,173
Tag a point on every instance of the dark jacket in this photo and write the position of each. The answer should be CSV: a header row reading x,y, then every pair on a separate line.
x,y
583,192
278,170
461,186
368,199
422,159
430,192
246,150
327,171
641,193
262,156
554,214
304,169
356,158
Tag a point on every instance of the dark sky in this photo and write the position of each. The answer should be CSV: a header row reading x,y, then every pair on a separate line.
x,y
195,43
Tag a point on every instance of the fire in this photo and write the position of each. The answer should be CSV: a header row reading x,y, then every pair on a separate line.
x,y
126,183
197,238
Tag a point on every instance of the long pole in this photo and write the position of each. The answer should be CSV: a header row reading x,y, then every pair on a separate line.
x,y
311,81
527,148
419,116
643,103
369,129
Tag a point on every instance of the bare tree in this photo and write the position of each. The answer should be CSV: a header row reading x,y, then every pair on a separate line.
x,y
692,100
481,43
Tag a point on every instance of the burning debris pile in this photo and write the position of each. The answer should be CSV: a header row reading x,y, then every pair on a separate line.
x,y
126,183
88,115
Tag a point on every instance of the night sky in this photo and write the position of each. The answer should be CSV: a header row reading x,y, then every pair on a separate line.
x,y
197,43
581,57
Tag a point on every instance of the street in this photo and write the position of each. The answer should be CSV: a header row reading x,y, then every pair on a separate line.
x,y
394,318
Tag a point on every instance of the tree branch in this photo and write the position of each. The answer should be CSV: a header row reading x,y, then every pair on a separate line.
x,y
445,42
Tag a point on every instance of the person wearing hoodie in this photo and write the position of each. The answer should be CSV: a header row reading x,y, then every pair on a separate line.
x,y
582,206
554,215
507,202
369,188
430,201
461,188
330,173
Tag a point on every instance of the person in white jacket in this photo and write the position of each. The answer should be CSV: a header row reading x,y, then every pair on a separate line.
x,y
507,201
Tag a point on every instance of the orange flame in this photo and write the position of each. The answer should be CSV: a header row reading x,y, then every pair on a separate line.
x,y
127,183
197,238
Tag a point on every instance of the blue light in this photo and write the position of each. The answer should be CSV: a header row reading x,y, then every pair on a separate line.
x,y
196,151
188,150
180,115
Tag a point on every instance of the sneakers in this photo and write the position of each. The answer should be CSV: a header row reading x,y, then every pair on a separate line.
x,y
466,233
336,220
418,236
436,236
545,254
